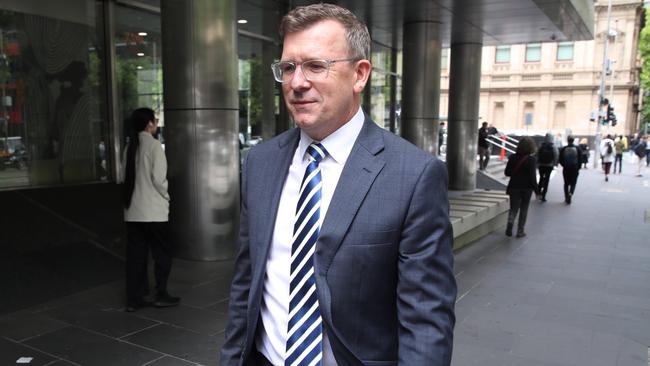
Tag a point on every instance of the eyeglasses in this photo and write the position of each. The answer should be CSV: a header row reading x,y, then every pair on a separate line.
x,y
313,70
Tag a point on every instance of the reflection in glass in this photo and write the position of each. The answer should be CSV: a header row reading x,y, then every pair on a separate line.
x,y
50,95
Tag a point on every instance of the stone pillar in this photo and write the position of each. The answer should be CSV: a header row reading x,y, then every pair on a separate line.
x,y
201,118
421,84
462,129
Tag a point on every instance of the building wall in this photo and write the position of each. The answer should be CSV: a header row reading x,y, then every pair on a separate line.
x,y
563,94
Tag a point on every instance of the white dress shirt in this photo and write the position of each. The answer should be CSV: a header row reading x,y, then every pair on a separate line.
x,y
272,338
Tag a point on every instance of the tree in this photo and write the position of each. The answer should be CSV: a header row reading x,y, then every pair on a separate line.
x,y
644,50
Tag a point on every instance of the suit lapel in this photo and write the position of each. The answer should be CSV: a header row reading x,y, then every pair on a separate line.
x,y
361,169
273,178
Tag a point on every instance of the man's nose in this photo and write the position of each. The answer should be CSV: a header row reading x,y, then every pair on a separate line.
x,y
298,79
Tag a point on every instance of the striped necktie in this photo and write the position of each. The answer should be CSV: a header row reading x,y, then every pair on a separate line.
x,y
305,332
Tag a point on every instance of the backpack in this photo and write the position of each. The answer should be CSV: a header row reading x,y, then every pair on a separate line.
x,y
570,156
639,149
609,148
545,154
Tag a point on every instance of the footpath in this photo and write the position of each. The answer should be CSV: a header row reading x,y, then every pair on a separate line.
x,y
575,291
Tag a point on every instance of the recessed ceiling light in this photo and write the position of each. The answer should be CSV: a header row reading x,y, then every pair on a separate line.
x,y
143,34
242,21
140,54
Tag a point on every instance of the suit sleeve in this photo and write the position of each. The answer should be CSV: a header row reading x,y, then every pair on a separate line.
x,y
235,334
426,289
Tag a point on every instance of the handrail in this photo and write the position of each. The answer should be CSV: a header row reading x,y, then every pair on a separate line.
x,y
504,143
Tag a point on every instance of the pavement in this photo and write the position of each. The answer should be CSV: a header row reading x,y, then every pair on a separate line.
x,y
575,291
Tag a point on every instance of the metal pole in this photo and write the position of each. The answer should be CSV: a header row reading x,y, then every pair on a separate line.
x,y
601,91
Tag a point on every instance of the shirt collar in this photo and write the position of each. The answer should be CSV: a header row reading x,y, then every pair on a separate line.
x,y
339,144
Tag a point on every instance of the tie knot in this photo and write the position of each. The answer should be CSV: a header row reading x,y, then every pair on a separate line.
x,y
317,152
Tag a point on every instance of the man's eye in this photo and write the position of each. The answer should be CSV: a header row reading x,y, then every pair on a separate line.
x,y
316,67
287,68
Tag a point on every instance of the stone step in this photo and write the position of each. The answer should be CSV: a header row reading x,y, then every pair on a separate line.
x,y
476,214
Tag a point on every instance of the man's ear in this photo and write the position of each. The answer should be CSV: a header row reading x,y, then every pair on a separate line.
x,y
362,73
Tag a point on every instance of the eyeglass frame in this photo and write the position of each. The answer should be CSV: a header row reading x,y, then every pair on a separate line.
x,y
296,64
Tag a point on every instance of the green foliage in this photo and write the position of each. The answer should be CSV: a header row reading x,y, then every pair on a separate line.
x,y
644,50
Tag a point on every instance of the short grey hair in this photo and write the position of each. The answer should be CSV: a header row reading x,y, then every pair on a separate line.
x,y
356,31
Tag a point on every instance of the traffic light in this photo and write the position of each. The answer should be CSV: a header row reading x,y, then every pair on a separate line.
x,y
611,117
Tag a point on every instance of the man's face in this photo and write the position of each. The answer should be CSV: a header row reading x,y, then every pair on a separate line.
x,y
320,107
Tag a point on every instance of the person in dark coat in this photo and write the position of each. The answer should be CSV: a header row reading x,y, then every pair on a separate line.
x,y
570,161
547,159
521,169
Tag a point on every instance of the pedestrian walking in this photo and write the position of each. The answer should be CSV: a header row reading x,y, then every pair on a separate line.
x,y
607,154
146,213
547,159
584,152
521,169
639,151
647,150
619,146
570,161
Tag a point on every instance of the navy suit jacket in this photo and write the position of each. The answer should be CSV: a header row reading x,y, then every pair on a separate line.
x,y
383,260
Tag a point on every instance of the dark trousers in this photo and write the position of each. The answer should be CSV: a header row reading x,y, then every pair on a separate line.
x,y
544,177
257,359
618,160
143,236
483,157
570,175
607,166
519,202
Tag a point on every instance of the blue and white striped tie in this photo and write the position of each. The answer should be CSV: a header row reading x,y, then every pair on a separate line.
x,y
304,340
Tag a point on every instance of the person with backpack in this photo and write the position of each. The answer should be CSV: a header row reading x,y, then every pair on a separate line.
x,y
619,146
607,153
639,150
570,161
523,181
547,158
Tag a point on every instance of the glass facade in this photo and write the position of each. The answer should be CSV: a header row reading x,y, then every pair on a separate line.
x,y
380,96
52,124
60,84
138,62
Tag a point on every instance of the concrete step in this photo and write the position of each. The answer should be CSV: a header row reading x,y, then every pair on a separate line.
x,y
476,214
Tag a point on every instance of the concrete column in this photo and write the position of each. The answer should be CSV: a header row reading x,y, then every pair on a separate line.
x,y
421,84
201,117
462,132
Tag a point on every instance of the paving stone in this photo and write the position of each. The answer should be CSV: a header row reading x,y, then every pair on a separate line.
x,y
11,351
88,348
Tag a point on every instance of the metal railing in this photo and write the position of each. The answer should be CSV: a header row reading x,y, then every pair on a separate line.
x,y
504,142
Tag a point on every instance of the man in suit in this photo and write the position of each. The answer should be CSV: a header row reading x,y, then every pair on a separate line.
x,y
345,253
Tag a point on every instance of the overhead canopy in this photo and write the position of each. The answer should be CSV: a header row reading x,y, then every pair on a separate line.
x,y
495,21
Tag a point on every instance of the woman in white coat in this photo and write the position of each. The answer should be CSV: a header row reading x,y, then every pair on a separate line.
x,y
146,213
608,154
